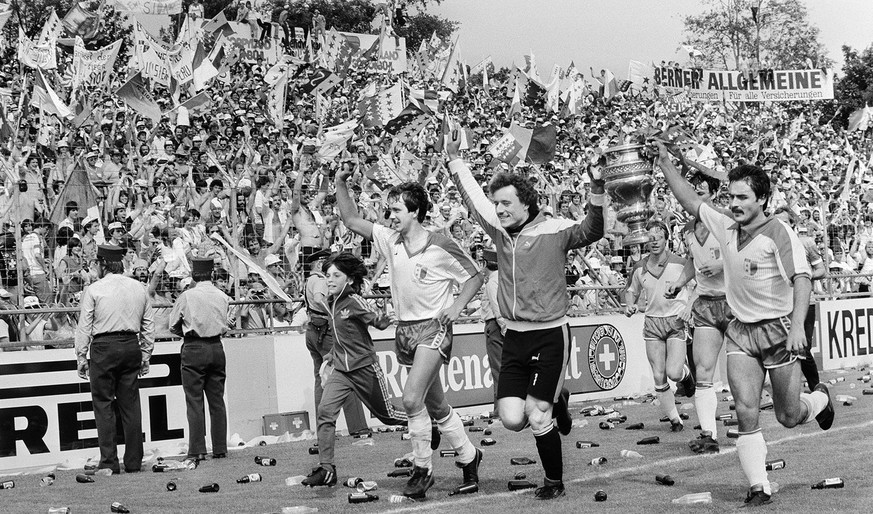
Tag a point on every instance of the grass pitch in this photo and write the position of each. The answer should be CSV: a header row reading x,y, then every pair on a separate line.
x,y
810,454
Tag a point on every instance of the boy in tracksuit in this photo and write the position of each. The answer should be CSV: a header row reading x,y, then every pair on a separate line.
x,y
353,357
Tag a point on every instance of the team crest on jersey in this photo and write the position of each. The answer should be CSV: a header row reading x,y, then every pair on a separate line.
x,y
420,272
715,253
607,357
750,267
344,313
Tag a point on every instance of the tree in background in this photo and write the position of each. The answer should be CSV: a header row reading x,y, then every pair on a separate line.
x,y
420,26
731,33
854,88
34,13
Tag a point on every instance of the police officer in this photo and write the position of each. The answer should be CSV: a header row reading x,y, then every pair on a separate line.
x,y
200,316
117,323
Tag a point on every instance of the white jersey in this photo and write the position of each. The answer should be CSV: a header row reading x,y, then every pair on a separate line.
x,y
423,284
654,284
703,252
759,272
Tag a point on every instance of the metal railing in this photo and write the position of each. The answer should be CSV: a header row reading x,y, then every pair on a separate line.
x,y
607,300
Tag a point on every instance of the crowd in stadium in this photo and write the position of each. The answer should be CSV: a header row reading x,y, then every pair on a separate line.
x,y
164,189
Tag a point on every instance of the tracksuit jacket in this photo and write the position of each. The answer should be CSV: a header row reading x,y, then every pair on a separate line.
x,y
350,315
532,287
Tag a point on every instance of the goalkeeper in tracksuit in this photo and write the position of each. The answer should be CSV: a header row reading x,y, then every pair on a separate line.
x,y
532,296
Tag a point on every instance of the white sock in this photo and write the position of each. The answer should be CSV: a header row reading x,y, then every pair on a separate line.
x,y
668,402
452,429
419,434
816,402
752,451
706,403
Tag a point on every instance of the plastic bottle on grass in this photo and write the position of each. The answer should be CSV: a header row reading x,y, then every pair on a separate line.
x,y
299,509
630,454
295,480
694,499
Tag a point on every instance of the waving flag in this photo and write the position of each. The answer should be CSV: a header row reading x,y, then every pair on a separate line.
x,y
81,21
137,96
385,105
50,30
408,124
5,14
45,98
320,81
860,119
451,77
505,148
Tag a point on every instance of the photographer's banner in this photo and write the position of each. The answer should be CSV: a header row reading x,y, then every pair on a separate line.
x,y
845,329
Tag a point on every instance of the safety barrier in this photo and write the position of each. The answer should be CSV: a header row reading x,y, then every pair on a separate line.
x,y
46,415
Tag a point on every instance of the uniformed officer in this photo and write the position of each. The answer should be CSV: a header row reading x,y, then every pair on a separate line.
x,y
200,316
117,323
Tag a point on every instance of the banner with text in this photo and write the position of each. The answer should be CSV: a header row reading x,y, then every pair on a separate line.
x,y
269,49
738,86
600,361
93,68
845,329
46,415
150,57
150,6
391,59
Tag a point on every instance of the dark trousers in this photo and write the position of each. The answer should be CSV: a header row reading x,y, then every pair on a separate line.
x,y
114,369
494,348
203,373
319,342
807,364
367,384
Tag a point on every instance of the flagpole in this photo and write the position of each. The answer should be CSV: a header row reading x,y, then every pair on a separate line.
x,y
19,273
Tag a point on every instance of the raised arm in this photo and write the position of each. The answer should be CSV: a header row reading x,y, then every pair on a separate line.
x,y
349,214
481,208
682,190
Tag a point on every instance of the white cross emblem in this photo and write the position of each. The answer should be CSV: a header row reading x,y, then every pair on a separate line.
x,y
606,357
274,426
297,422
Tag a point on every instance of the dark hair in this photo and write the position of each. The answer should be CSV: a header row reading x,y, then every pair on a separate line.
x,y
414,197
160,233
523,188
72,242
658,224
757,179
353,267
711,182
116,267
71,206
63,236
201,277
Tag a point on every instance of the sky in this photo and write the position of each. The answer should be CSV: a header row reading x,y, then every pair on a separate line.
x,y
604,33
